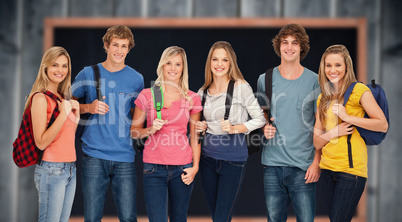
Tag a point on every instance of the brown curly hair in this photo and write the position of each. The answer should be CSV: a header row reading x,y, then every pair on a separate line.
x,y
298,32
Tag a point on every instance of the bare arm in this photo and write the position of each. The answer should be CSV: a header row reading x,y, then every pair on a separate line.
x,y
190,173
42,136
137,130
376,122
96,107
322,137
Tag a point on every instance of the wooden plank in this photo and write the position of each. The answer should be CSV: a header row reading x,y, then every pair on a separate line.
x,y
306,8
91,8
260,8
216,8
355,8
8,57
128,8
390,180
168,8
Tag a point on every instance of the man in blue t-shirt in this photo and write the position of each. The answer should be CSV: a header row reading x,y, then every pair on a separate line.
x,y
291,163
108,153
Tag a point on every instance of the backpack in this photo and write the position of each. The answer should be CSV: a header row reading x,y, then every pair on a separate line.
x,y
228,103
369,137
85,116
25,151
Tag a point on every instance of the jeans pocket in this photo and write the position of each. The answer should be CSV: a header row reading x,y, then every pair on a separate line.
x,y
186,166
148,168
237,163
348,176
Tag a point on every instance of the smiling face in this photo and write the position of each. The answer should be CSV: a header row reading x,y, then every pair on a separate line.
x,y
290,49
173,69
117,50
220,63
58,71
335,68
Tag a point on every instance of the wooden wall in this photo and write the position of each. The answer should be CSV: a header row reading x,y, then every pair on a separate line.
x,y
21,44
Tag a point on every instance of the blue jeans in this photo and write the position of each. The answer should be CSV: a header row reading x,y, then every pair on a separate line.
x,y
285,184
56,184
342,193
95,178
162,187
222,181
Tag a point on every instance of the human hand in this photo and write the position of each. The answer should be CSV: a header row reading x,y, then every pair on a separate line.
x,y
64,107
269,130
189,174
342,129
76,108
340,111
313,173
98,107
201,126
157,124
227,126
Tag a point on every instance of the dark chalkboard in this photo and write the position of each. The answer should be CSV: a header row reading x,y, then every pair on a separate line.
x,y
255,54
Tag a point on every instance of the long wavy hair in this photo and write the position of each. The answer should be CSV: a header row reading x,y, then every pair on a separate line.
x,y
168,54
328,91
41,83
233,72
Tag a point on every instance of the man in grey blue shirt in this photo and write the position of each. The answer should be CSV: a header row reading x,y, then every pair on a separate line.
x,y
291,163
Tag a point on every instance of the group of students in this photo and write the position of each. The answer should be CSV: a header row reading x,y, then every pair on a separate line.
x,y
305,139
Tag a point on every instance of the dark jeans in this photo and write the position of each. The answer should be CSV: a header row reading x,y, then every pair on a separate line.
x,y
284,184
342,193
221,181
162,187
96,175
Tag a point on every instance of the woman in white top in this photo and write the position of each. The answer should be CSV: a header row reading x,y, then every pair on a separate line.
x,y
224,150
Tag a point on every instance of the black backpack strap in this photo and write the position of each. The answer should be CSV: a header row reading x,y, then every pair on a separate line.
x,y
268,91
229,97
157,95
204,98
97,81
346,96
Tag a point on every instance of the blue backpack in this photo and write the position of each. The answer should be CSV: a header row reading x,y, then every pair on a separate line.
x,y
370,137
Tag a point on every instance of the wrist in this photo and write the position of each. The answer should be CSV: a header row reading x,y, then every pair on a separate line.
x,y
149,131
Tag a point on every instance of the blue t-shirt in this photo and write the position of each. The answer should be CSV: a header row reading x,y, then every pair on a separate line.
x,y
108,136
293,108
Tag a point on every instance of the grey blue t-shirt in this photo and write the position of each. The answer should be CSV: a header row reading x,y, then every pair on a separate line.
x,y
292,107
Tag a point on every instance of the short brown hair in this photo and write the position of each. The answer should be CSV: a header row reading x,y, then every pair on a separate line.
x,y
120,32
298,32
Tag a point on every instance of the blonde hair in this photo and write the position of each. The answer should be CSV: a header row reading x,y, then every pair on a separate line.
x,y
328,91
41,83
168,54
234,72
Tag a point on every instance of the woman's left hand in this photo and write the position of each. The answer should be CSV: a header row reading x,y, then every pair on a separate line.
x,y
340,111
189,174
